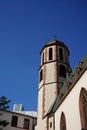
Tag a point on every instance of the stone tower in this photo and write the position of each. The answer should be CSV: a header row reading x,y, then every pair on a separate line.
x,y
52,73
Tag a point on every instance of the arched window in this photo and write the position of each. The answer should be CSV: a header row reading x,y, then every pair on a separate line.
x,y
60,54
50,53
62,122
62,71
83,108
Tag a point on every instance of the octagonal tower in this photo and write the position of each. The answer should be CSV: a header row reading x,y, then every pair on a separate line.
x,y
52,73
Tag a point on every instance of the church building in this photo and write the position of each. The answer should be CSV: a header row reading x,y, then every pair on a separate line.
x,y
62,93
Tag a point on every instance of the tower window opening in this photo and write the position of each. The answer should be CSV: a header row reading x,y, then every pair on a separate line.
x,y
50,53
43,58
61,54
62,71
41,75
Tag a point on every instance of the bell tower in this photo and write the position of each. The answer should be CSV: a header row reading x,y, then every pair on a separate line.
x,y
52,73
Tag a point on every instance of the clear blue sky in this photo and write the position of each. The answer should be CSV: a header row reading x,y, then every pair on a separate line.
x,y
25,27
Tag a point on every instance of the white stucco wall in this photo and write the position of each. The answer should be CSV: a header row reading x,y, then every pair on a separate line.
x,y
70,106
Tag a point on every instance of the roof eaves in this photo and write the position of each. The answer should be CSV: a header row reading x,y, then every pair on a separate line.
x,y
69,83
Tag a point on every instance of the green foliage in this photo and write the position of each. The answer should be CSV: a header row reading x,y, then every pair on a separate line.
x,y
4,123
4,103
4,106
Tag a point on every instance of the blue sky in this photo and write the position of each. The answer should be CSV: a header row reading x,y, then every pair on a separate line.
x,y
25,27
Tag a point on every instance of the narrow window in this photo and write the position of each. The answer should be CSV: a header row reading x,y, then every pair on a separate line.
x,y
14,121
62,71
50,54
60,54
50,124
43,58
41,75
26,123
62,122
83,108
